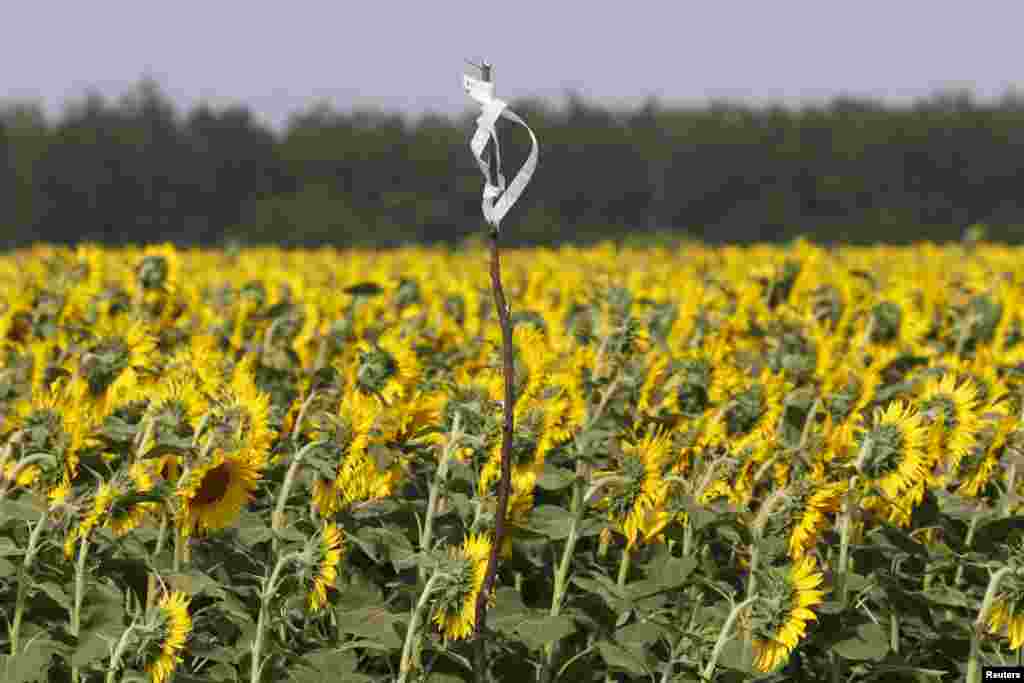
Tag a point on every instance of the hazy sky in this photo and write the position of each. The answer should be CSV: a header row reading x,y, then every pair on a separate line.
x,y
282,57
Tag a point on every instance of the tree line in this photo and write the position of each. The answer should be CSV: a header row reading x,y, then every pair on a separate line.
x,y
138,170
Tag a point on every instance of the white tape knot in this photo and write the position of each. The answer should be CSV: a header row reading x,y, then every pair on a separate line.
x,y
497,199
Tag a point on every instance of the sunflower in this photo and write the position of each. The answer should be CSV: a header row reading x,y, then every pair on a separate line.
x,y
978,468
643,489
983,372
348,434
200,363
386,370
455,607
532,439
241,416
328,552
51,422
892,452
532,357
897,321
952,408
214,491
175,407
1008,612
579,366
812,517
650,391
778,618
158,270
752,413
110,359
166,632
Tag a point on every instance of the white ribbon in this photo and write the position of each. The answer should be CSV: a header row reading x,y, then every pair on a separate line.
x,y
493,108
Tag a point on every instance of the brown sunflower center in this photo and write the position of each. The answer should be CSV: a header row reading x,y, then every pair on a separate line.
x,y
214,485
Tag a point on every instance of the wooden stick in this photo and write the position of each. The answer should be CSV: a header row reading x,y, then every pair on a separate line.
x,y
505,482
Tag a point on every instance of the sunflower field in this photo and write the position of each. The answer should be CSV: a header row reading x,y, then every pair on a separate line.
x,y
728,464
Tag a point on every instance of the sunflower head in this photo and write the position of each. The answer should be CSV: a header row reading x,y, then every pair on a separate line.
x,y
215,489
320,564
162,636
463,578
241,418
892,450
117,347
175,410
692,393
777,619
475,408
886,317
385,369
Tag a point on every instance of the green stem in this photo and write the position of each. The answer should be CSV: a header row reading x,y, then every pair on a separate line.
x,y
1011,485
562,574
180,539
412,635
687,536
277,521
894,631
266,595
436,486
76,612
115,661
755,561
624,563
723,637
967,545
844,542
974,663
25,580
297,427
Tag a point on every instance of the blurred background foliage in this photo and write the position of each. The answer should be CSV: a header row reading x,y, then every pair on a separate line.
x,y
853,171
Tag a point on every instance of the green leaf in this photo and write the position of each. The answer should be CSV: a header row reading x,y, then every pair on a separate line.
x,y
326,666
989,536
640,633
195,582
359,593
252,529
606,589
32,663
11,509
91,647
554,478
364,289
871,642
324,466
895,537
373,623
539,629
441,677
674,572
508,610
117,429
391,543
56,593
619,658
535,628
9,548
551,521
733,657
103,608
